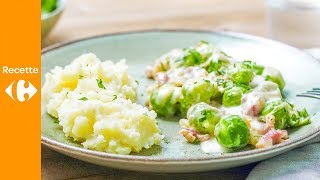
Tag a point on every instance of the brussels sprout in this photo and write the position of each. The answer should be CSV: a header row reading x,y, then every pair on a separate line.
x,y
219,66
192,57
232,97
203,117
47,6
245,88
197,55
184,106
299,118
258,69
232,132
164,100
224,85
199,91
240,74
205,49
275,76
281,112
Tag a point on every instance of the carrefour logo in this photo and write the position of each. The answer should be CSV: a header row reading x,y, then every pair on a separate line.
x,y
21,90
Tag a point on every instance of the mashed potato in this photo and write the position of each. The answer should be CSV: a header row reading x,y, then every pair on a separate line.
x,y
94,102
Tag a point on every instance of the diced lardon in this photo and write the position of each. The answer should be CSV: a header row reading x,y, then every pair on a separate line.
x,y
274,136
252,104
190,134
258,129
161,78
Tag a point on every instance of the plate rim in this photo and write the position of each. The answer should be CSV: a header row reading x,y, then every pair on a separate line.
x,y
226,157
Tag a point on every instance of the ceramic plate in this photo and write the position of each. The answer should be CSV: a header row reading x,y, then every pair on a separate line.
x,y
301,72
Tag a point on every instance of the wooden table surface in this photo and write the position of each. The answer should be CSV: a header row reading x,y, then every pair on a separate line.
x,y
84,18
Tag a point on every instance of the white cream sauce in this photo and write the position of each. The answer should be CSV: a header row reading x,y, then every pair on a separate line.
x,y
232,110
213,147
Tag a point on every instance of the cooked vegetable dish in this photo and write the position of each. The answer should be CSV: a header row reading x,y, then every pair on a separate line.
x,y
220,99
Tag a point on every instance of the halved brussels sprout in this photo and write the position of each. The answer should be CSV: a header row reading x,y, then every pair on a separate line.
x,y
219,67
240,74
258,69
299,118
192,57
281,112
285,114
203,117
205,49
274,75
232,97
198,91
164,100
197,55
232,132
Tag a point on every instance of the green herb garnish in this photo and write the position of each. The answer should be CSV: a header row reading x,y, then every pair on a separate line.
x,y
83,99
56,121
100,84
162,67
114,97
204,42
196,141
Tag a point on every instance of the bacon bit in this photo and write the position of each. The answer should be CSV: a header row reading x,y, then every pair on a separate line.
x,y
272,137
252,104
191,135
161,78
203,137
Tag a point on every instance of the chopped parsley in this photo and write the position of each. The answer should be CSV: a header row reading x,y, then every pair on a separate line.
x,y
162,67
137,82
204,42
100,84
192,57
80,76
196,141
114,97
167,141
56,121
83,99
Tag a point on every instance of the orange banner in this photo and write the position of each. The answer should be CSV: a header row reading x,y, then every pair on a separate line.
x,y
20,89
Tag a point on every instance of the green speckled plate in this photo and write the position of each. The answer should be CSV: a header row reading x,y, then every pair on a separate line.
x,y
300,71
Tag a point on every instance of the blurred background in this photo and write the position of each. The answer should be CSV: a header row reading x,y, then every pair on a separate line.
x,y
295,22
83,18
